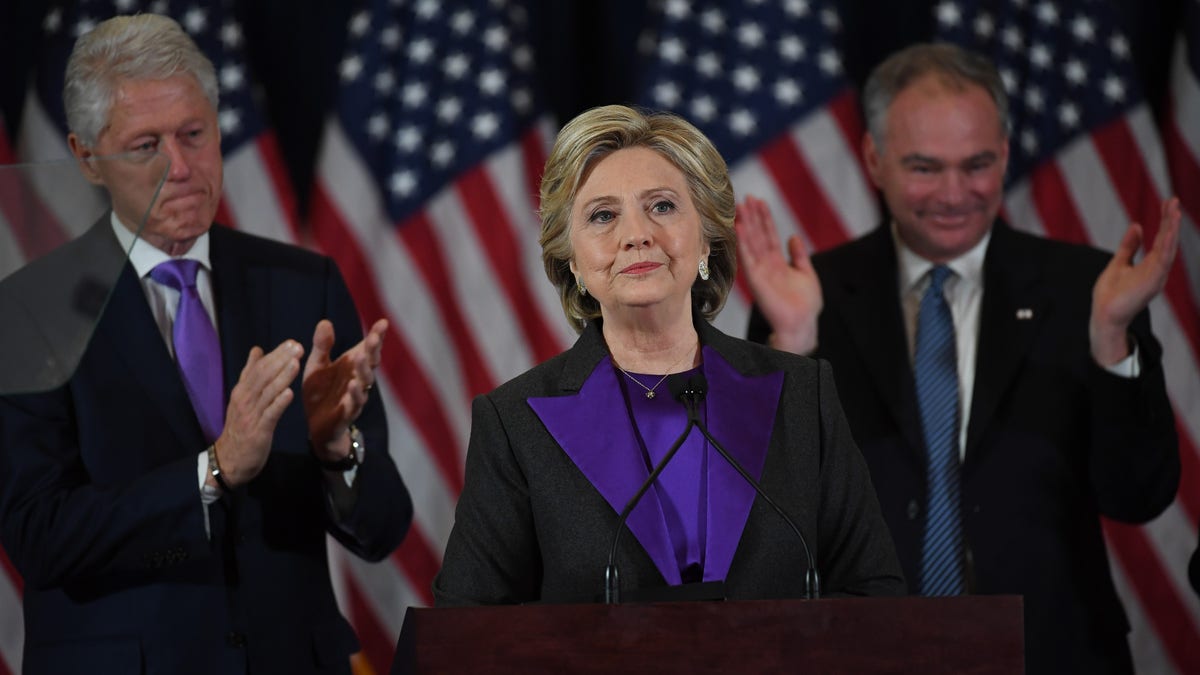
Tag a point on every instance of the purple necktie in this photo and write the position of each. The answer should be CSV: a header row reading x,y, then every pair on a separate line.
x,y
196,347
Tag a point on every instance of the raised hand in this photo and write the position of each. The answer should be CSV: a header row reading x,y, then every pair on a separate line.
x,y
262,393
335,392
788,293
1124,288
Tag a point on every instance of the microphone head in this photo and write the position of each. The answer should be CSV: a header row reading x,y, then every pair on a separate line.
x,y
682,388
678,386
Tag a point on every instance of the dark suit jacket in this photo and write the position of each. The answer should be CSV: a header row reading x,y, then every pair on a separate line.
x,y
531,527
101,512
1053,439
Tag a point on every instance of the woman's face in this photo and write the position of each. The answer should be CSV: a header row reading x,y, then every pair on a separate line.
x,y
636,239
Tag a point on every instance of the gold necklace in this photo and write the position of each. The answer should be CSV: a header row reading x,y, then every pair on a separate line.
x,y
650,390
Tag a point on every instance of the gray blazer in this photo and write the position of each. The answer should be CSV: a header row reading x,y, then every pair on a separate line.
x,y
530,526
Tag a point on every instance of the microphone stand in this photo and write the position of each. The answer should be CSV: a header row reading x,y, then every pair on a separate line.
x,y
692,394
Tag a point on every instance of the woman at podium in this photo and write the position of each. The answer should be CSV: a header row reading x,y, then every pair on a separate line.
x,y
762,492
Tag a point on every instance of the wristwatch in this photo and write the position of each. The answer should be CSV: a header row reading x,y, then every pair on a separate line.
x,y
349,461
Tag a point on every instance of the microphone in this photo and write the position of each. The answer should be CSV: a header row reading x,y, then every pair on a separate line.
x,y
691,394
612,582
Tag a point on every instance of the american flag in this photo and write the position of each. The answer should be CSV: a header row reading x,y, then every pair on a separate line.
x,y
765,81
257,196
426,195
1086,159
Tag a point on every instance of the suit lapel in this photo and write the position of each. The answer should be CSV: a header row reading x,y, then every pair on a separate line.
x,y
591,424
129,330
869,306
1011,312
241,290
746,435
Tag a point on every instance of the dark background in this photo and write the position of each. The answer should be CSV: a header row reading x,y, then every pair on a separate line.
x,y
587,53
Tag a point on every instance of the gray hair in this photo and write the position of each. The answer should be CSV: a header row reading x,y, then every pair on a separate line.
x,y
955,66
139,47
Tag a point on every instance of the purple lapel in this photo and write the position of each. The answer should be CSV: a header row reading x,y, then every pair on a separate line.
x,y
741,415
594,429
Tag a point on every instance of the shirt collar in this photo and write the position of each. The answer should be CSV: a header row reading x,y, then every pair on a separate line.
x,y
912,268
145,257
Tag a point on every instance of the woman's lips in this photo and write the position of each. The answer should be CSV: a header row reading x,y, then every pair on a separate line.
x,y
641,268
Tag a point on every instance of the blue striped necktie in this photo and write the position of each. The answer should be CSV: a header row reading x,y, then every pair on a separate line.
x,y
935,366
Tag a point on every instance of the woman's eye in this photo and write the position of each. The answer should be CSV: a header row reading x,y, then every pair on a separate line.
x,y
603,216
663,206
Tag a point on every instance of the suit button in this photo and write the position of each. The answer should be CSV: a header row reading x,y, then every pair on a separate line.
x,y
913,510
235,639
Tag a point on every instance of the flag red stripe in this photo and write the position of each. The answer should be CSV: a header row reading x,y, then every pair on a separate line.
x,y
1189,464
402,370
377,646
1052,199
844,108
533,155
498,237
417,236
1184,167
272,157
35,227
225,214
1117,146
1163,608
6,152
804,196
416,559
10,570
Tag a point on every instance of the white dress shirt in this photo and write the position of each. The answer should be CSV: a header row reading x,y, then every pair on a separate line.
x,y
964,294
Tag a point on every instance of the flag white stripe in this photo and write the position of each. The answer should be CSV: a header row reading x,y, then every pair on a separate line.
x,y
734,316
750,177
830,157
1150,149
490,318
350,189
1174,552
1179,368
507,172
1150,655
432,498
40,140
1021,210
387,592
1092,192
1189,252
1185,92
251,195
12,624
11,256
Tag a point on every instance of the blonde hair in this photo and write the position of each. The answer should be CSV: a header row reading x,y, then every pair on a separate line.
x,y
596,134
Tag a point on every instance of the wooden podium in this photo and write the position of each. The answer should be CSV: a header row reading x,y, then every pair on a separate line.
x,y
972,634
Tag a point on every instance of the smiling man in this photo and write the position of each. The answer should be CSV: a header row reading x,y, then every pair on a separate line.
x,y
168,506
1006,390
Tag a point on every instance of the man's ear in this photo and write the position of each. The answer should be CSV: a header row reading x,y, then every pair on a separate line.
x,y
871,157
82,154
